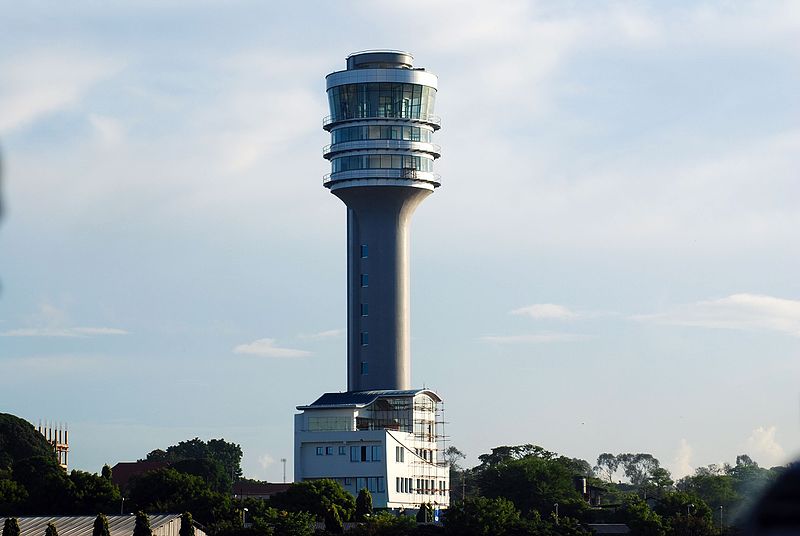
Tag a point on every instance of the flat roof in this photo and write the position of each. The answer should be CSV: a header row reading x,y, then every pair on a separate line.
x,y
360,399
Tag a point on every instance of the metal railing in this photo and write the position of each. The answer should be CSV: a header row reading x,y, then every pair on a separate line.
x,y
434,148
399,174
425,118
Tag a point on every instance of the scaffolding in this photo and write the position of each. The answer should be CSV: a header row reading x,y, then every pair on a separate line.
x,y
58,437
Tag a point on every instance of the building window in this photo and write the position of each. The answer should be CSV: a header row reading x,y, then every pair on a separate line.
x,y
361,483
354,454
364,454
319,451
364,251
397,484
348,481
328,451
364,368
342,450
376,453
364,280
364,309
399,454
381,485
364,338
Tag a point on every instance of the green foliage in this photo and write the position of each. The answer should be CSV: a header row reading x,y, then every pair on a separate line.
x,y
385,524
363,505
12,496
607,465
142,526
100,527
282,523
211,471
92,493
229,455
333,521
106,472
638,468
480,516
20,440
640,518
315,497
532,478
49,488
51,530
187,525
11,527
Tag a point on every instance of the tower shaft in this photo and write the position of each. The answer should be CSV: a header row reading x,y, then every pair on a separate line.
x,y
378,287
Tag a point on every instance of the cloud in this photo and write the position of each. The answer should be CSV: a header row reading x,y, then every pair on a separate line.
x,y
109,130
762,446
737,311
36,83
80,332
265,460
545,311
681,464
327,334
531,338
267,348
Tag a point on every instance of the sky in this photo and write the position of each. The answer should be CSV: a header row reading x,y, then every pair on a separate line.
x,y
610,264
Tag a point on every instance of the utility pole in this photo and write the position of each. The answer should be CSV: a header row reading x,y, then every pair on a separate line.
x,y
283,460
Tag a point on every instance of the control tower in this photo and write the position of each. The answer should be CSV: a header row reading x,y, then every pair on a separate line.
x,y
381,156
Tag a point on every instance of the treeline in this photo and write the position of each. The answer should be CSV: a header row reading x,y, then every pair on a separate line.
x,y
514,490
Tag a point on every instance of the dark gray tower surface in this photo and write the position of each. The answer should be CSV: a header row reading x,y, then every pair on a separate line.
x,y
381,155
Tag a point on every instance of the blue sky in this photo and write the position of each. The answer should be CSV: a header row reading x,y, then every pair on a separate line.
x,y
610,264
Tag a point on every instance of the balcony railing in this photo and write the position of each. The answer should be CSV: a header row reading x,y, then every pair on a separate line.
x,y
434,148
400,174
434,120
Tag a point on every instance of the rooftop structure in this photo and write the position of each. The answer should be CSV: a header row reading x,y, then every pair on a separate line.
x,y
161,524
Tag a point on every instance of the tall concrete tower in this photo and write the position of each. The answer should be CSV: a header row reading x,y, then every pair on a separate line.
x,y
381,156
380,434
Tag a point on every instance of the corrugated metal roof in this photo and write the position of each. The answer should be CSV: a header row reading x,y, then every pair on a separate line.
x,y
360,399
82,525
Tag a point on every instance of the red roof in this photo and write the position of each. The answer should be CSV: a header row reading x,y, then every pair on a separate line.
x,y
124,471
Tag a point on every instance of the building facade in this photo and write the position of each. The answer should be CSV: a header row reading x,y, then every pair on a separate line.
x,y
380,434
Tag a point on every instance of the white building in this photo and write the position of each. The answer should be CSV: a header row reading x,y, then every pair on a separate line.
x,y
387,441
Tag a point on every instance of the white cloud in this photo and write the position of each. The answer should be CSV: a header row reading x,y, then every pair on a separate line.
x,y
737,311
327,334
267,348
762,445
681,464
62,332
40,82
545,311
265,460
109,130
531,338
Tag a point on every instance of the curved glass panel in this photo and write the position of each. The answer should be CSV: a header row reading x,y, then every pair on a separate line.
x,y
381,161
381,132
381,99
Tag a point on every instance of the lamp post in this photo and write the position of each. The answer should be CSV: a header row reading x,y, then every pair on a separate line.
x,y
283,460
556,507
688,507
720,518
244,517
122,506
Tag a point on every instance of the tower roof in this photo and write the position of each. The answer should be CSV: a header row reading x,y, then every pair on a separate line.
x,y
360,399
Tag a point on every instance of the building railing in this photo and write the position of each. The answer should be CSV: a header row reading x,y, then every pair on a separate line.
x,y
427,147
407,174
425,118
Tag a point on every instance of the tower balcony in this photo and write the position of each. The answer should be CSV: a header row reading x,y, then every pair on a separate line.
x,y
432,120
383,177
397,145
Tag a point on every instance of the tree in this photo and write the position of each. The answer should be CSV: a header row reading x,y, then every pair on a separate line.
x,y
385,524
12,496
187,525
11,527
638,467
49,489
229,455
480,516
20,440
142,526
316,497
92,493
333,521
607,465
106,472
640,518
534,481
211,471
363,504
51,530
283,523
100,527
